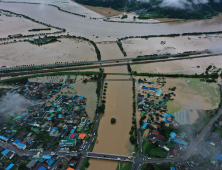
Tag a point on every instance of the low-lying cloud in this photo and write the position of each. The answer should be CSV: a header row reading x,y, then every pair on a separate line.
x,y
12,103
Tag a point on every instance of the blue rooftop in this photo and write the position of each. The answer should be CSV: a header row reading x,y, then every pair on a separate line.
x,y
51,161
158,92
144,125
42,168
10,166
219,157
173,135
17,141
176,140
152,89
145,88
5,152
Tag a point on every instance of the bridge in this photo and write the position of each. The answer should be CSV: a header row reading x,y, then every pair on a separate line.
x,y
110,157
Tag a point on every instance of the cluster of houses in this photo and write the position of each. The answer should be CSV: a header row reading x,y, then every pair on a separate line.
x,y
146,104
62,122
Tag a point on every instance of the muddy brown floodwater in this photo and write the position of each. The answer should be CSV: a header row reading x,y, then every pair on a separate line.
x,y
114,139
67,50
139,47
19,25
180,66
87,27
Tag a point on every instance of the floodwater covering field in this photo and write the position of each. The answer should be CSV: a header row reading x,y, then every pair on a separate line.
x,y
114,138
162,45
87,90
92,28
19,25
180,66
25,53
190,94
68,5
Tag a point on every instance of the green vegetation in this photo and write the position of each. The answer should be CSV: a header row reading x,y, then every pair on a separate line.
x,y
45,40
153,150
39,29
24,79
113,120
163,166
152,8
119,43
124,166
85,164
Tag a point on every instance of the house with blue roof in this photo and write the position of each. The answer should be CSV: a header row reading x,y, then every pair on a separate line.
x,y
10,166
172,135
152,89
159,92
144,125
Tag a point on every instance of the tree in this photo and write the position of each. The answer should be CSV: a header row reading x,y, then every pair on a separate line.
x,y
132,140
148,166
87,164
22,166
113,121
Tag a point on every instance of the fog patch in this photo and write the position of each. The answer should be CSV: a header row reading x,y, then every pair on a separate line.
x,y
12,103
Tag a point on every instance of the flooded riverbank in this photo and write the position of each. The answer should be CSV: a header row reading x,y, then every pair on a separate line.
x,y
88,28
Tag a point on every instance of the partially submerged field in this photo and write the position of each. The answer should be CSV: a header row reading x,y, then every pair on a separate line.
x,y
138,47
114,138
68,50
179,66
19,25
190,94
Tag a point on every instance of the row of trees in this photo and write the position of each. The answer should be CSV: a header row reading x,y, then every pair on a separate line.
x,y
212,75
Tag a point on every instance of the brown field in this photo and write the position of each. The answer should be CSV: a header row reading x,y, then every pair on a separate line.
x,y
107,12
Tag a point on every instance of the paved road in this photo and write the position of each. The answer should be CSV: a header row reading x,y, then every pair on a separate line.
x,y
118,79
69,66
201,136
110,157
99,62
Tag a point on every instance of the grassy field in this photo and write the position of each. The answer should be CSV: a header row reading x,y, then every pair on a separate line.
x,y
173,107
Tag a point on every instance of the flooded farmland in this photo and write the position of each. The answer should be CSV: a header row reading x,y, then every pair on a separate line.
x,y
19,25
162,45
92,28
114,138
180,66
25,53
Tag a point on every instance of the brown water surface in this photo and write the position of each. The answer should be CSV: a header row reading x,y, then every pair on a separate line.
x,y
87,28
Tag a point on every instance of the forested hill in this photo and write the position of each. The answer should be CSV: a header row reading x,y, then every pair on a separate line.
x,y
153,10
